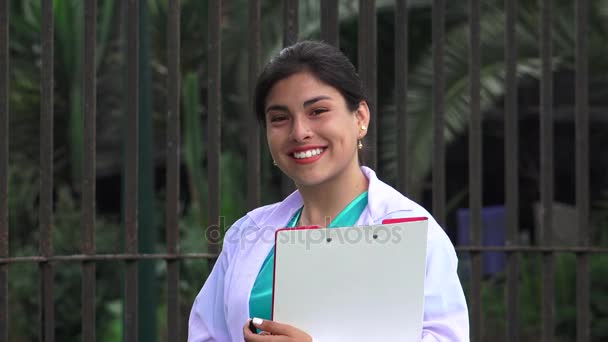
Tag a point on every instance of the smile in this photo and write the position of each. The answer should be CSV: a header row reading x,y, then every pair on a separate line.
x,y
308,153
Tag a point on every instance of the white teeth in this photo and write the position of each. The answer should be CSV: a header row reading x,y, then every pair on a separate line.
x,y
307,154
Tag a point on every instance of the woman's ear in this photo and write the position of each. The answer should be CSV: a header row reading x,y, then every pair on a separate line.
x,y
362,115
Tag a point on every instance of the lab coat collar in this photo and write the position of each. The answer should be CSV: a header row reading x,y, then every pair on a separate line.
x,y
383,200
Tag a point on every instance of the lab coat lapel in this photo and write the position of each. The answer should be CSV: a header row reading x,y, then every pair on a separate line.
x,y
257,240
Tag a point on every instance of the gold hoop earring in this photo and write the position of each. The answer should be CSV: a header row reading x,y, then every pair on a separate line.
x,y
360,144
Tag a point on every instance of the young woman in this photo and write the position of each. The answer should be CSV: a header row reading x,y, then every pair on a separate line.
x,y
311,103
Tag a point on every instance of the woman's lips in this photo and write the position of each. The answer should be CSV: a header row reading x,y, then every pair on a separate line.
x,y
307,155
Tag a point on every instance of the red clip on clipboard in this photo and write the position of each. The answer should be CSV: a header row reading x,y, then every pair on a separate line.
x,y
404,219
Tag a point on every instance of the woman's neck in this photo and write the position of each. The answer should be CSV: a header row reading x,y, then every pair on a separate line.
x,y
323,202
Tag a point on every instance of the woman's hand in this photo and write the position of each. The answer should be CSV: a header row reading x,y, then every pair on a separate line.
x,y
274,332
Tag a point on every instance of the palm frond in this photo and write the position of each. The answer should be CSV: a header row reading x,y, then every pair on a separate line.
x,y
457,96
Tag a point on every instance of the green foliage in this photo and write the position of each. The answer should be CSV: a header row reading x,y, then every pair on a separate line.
x,y
492,73
68,97
25,106
530,287
23,279
25,33
192,147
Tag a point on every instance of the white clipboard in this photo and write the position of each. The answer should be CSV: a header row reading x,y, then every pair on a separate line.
x,y
352,284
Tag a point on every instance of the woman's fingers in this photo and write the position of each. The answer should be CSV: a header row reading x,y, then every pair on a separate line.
x,y
273,332
250,336
275,328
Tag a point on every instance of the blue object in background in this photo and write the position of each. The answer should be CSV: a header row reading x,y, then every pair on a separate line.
x,y
493,234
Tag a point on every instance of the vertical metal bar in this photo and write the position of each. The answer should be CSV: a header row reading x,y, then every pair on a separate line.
x,y
511,172
4,115
172,200
475,166
330,25
146,232
47,314
132,163
88,181
438,111
546,168
582,169
401,72
214,96
253,132
290,22
367,65
290,37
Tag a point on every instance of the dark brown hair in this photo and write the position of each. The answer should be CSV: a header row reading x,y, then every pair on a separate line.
x,y
326,62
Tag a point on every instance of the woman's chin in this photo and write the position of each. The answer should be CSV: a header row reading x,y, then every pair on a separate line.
x,y
308,181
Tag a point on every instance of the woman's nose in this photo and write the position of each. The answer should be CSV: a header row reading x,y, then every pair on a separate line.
x,y
300,130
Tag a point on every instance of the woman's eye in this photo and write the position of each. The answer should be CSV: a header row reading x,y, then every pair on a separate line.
x,y
319,111
277,118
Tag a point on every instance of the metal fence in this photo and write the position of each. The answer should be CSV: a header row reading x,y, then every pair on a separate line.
x,y
367,55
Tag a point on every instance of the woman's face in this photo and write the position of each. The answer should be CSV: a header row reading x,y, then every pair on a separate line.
x,y
312,135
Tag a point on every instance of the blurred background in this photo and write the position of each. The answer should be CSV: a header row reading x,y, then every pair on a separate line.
x,y
25,49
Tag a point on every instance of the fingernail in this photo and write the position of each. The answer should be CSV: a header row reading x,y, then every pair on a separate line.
x,y
257,321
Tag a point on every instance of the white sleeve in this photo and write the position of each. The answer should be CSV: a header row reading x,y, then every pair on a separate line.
x,y
446,316
207,318
207,322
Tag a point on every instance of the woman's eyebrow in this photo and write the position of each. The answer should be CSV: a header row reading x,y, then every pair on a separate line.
x,y
277,107
305,104
315,99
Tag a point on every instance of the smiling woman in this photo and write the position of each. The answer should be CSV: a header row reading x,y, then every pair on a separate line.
x,y
311,102
312,135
